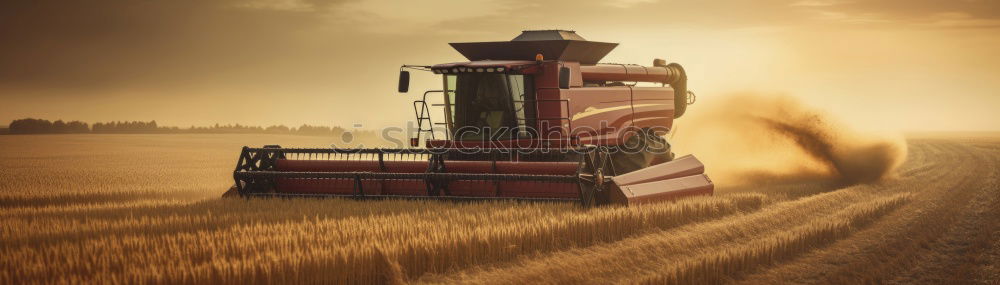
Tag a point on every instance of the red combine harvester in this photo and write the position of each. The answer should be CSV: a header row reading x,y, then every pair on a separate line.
x,y
535,118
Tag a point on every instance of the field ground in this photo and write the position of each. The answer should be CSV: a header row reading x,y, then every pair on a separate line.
x,y
145,209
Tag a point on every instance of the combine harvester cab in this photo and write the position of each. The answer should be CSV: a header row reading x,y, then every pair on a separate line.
x,y
535,118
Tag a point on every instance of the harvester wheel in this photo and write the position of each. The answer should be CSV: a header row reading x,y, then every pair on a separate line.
x,y
598,165
233,192
642,150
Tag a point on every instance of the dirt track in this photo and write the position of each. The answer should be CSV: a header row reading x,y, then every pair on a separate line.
x,y
73,211
946,233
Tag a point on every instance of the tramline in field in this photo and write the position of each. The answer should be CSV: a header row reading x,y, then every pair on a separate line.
x,y
535,118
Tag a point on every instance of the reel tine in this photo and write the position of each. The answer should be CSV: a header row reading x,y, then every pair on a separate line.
x,y
591,160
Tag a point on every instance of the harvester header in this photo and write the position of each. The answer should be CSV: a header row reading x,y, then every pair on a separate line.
x,y
535,118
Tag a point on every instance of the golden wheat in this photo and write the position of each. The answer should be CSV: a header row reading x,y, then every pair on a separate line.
x,y
713,267
99,228
79,209
658,250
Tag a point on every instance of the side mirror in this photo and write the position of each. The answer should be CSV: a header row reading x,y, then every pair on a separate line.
x,y
564,77
404,81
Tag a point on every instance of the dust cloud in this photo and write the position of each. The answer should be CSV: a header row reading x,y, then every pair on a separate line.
x,y
753,138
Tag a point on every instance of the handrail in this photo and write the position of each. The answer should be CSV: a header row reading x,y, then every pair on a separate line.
x,y
423,113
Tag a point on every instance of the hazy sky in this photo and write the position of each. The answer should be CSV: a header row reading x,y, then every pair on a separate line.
x,y
898,64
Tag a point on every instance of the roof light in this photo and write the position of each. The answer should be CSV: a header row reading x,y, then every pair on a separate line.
x,y
499,69
454,70
539,57
489,69
479,70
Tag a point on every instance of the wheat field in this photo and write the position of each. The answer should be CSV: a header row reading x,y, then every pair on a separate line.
x,y
145,209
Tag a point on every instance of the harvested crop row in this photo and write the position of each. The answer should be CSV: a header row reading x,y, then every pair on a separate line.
x,y
947,222
714,267
652,252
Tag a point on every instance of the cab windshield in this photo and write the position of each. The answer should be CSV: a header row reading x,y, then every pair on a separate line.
x,y
489,106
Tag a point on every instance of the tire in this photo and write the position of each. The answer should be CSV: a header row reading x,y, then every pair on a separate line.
x,y
640,151
231,193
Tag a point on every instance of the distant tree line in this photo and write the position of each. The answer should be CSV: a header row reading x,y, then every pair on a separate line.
x,y
39,126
